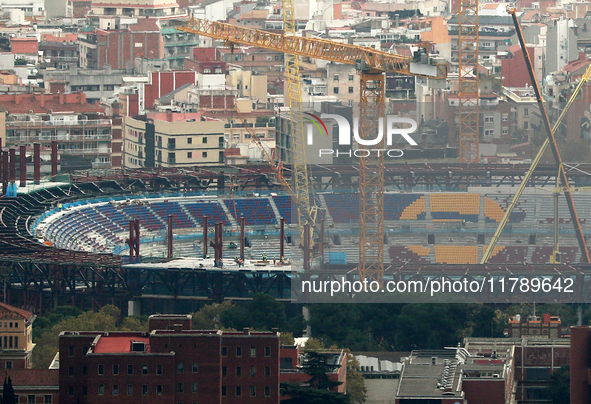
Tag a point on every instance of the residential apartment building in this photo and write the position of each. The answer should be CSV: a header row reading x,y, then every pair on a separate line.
x,y
172,139
169,365
16,337
525,113
494,34
95,83
84,134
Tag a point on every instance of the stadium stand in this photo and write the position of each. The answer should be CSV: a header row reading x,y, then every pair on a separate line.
x,y
455,207
395,205
344,208
446,254
415,211
400,255
283,203
213,211
257,211
179,218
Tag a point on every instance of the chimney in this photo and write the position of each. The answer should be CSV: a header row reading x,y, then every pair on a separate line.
x,y
169,116
246,331
546,318
42,100
18,98
177,328
61,96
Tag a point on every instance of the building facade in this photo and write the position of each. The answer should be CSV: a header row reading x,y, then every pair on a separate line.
x,y
170,365
173,140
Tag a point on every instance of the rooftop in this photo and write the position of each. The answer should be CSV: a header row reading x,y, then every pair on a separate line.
x,y
119,344
8,311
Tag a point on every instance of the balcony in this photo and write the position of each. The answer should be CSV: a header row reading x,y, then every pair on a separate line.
x,y
84,152
48,138
57,124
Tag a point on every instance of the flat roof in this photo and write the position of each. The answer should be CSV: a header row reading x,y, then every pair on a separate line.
x,y
118,344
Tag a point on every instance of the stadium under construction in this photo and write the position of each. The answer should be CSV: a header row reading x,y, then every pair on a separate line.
x,y
209,236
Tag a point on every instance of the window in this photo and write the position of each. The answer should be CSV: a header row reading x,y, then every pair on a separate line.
x,y
84,370
115,389
526,125
238,351
16,342
350,90
204,140
267,391
204,155
253,371
238,371
489,119
159,389
158,369
267,370
189,155
351,77
129,369
335,90
70,351
224,371
48,399
253,391
180,387
130,389
70,391
525,111
195,367
224,393
189,140
101,390
144,369
335,77
489,132
253,352
115,370
224,351
238,391
505,131
181,368
101,369
195,388
144,390
267,351
84,391
71,371
31,399
505,117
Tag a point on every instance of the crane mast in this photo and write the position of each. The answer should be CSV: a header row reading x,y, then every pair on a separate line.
x,y
469,82
293,99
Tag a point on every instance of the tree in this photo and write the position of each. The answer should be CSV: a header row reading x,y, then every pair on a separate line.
x,y
8,396
263,312
305,395
356,388
210,316
559,387
317,366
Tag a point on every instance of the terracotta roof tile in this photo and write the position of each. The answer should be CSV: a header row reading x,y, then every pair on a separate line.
x,y
4,308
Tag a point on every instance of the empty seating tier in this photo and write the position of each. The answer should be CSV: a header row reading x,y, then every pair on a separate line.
x,y
455,207
445,254
415,211
257,211
344,208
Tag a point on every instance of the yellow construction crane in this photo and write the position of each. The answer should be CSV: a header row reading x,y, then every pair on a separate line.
x,y
469,82
372,64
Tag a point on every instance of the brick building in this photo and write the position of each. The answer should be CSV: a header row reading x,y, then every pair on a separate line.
x,y
120,48
580,365
34,386
170,365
